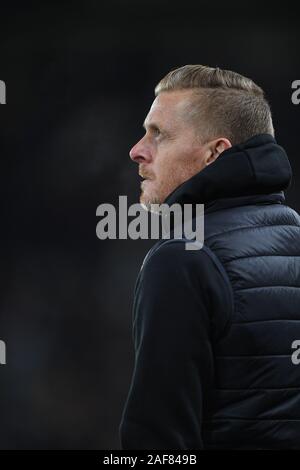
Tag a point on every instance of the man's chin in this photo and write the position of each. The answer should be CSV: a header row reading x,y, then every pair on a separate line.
x,y
149,203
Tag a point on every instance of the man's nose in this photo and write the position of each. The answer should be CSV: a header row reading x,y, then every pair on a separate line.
x,y
140,153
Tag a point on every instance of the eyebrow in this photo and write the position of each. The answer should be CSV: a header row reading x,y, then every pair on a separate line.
x,y
152,125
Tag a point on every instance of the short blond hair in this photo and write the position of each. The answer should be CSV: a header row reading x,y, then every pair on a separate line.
x,y
225,104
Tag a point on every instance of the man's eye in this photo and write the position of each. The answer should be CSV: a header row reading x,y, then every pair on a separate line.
x,y
156,132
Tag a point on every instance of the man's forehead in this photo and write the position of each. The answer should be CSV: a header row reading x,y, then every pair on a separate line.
x,y
166,105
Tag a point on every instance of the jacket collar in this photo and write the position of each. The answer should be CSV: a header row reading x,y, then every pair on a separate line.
x,y
256,171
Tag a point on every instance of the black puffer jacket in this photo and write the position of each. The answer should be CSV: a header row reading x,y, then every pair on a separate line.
x,y
214,328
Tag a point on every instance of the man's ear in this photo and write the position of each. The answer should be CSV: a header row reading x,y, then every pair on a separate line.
x,y
215,148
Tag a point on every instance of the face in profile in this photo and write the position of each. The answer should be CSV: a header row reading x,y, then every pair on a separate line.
x,y
170,152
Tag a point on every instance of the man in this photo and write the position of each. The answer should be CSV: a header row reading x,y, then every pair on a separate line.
x,y
214,328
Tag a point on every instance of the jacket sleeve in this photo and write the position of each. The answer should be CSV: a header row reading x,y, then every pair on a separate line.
x,y
175,296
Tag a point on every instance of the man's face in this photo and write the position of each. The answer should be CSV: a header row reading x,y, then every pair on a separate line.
x,y
170,151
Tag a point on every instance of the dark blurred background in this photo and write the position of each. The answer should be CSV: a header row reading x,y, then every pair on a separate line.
x,y
80,79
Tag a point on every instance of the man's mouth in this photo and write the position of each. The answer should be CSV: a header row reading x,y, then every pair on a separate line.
x,y
144,177
143,173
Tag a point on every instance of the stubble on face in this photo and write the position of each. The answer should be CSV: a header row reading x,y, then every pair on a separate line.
x,y
177,156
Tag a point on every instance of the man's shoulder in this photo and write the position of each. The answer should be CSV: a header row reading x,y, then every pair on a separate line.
x,y
168,261
173,252
172,274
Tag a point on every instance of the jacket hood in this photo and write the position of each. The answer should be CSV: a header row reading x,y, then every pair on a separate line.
x,y
256,167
